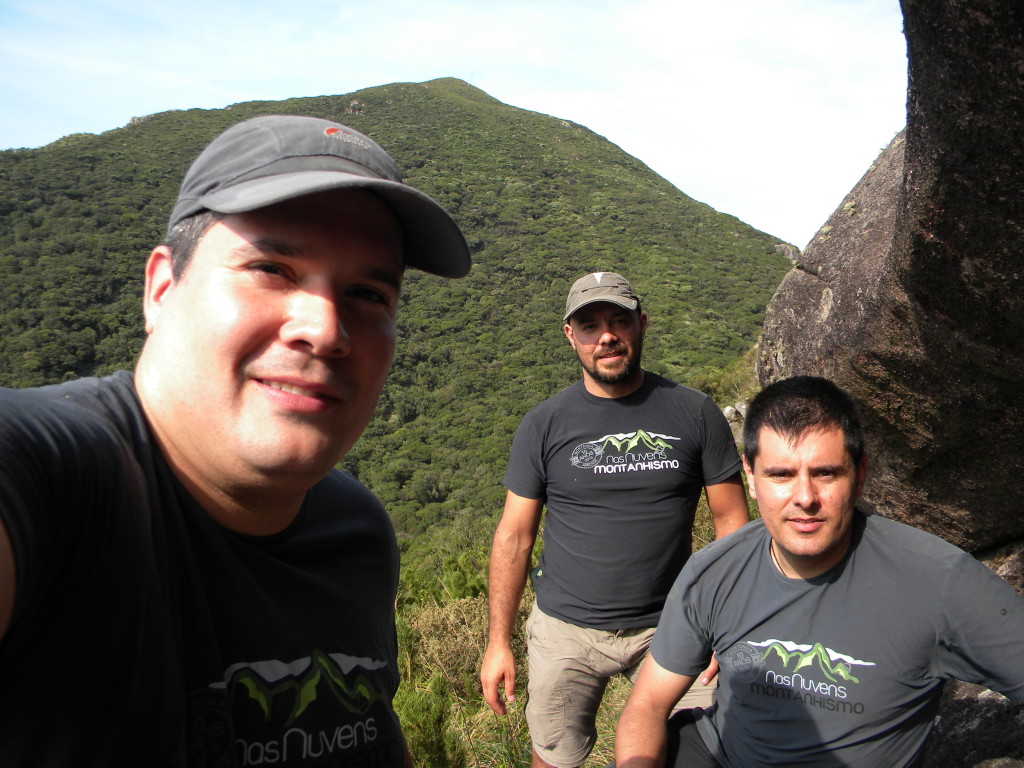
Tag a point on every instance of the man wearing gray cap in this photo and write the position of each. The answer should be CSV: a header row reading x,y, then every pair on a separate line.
x,y
184,576
619,460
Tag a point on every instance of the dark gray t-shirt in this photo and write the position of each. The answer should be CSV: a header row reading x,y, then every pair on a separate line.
x,y
621,479
144,634
844,669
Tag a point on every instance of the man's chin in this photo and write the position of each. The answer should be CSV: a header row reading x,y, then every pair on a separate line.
x,y
300,451
617,374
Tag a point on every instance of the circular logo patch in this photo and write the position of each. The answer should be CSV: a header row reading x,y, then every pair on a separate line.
x,y
744,661
586,455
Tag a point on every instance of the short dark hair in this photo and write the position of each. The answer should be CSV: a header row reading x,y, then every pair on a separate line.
x,y
183,237
793,406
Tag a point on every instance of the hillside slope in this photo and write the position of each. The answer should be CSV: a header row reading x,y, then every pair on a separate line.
x,y
541,200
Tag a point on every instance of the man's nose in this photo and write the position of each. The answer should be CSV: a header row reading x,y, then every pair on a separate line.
x,y
316,321
805,495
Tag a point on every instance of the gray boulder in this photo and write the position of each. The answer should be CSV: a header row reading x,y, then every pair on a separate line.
x,y
911,296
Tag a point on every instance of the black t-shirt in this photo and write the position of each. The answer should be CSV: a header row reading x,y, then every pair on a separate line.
x,y
621,479
145,634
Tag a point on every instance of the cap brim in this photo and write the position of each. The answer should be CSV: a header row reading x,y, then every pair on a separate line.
x,y
621,301
433,241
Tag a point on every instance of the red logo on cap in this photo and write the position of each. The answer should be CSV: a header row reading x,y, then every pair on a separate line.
x,y
351,137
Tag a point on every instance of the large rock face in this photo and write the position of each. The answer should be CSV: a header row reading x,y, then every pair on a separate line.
x,y
912,295
912,298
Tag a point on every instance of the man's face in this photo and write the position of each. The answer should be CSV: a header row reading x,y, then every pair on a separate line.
x,y
806,491
608,339
265,359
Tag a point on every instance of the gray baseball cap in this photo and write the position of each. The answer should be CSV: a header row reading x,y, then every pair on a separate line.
x,y
270,159
600,286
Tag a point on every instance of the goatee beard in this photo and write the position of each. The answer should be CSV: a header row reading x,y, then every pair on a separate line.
x,y
627,372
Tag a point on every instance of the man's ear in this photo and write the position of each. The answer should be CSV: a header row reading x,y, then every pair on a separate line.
x,y
862,476
159,281
567,330
643,324
749,472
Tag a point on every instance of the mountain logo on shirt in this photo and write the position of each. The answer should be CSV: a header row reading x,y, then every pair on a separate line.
x,y
298,684
836,666
618,448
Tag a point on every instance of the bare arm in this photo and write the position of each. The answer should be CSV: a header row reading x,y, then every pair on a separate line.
x,y
641,736
727,501
509,565
6,580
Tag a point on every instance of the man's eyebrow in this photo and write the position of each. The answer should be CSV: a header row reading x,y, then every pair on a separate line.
x,y
270,246
769,469
841,467
387,276
616,313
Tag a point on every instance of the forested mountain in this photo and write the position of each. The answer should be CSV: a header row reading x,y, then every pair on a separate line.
x,y
541,200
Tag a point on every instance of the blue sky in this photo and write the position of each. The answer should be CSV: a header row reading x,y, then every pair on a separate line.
x,y
769,110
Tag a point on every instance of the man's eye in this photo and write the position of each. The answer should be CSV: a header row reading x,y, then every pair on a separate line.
x,y
370,295
268,267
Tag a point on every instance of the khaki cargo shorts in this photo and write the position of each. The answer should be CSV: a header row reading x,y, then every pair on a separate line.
x,y
568,670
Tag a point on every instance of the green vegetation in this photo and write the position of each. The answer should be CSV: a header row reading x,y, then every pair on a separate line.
x,y
541,201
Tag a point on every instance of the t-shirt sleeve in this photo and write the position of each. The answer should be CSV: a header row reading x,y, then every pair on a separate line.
x,y
680,644
525,475
720,458
982,641
56,464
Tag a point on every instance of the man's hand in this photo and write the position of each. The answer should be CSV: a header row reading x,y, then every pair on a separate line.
x,y
498,671
710,673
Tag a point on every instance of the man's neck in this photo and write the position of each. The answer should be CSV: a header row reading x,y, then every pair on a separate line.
x,y
803,567
616,390
257,514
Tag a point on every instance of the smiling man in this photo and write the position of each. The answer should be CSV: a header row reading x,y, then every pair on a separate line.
x,y
184,576
834,629
619,460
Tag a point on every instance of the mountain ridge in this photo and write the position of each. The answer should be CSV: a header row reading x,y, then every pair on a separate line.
x,y
541,200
